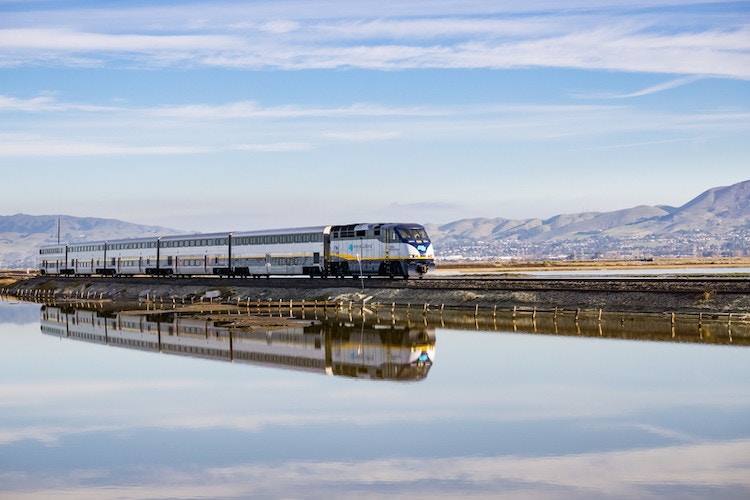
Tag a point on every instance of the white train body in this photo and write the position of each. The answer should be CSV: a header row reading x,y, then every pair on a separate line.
x,y
390,352
393,249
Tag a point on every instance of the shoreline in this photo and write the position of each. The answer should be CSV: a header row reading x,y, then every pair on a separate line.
x,y
638,298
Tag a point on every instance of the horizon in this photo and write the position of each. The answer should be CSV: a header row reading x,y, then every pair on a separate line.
x,y
342,222
289,114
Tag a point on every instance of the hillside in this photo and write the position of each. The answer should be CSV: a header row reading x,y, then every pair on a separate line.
x,y
714,224
21,234
717,222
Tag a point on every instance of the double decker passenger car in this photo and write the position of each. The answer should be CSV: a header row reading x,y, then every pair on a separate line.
x,y
372,249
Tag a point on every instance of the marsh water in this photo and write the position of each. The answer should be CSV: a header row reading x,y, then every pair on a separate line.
x,y
151,404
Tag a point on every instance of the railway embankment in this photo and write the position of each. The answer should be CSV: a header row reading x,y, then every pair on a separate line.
x,y
633,295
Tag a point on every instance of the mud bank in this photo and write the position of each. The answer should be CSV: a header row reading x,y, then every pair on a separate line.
x,y
172,291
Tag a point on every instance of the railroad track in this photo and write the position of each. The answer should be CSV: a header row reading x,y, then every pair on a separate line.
x,y
639,284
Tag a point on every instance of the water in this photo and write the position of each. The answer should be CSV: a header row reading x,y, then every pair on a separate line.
x,y
106,405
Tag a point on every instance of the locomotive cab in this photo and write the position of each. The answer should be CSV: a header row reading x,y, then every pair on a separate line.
x,y
416,248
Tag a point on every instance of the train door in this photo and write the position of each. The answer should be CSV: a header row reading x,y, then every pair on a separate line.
x,y
326,250
386,242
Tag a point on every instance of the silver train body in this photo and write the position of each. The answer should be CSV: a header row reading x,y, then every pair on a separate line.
x,y
384,249
377,352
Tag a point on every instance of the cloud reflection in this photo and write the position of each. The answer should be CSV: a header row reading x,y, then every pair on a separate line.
x,y
707,467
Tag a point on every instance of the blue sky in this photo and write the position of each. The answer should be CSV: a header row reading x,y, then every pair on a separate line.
x,y
244,115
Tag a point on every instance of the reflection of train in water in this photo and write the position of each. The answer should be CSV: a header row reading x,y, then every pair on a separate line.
x,y
393,249
389,352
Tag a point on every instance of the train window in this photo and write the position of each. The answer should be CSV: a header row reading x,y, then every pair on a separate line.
x,y
361,233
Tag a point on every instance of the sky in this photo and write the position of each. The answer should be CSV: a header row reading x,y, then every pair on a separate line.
x,y
213,116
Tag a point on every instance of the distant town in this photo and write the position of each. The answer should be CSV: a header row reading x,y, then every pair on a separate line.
x,y
696,243
715,224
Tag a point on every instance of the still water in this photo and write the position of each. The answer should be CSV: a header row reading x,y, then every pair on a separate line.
x,y
102,404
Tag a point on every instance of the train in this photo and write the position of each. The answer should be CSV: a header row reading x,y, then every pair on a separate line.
x,y
394,352
367,249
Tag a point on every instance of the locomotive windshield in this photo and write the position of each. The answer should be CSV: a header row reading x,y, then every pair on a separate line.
x,y
416,233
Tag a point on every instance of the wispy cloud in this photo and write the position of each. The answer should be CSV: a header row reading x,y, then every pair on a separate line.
x,y
46,104
66,40
714,466
672,84
42,146
249,126
294,35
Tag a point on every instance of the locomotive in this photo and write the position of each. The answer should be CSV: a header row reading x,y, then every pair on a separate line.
x,y
369,249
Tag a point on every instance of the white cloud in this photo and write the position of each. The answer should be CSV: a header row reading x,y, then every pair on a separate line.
x,y
621,474
361,135
251,127
35,147
66,40
274,147
609,37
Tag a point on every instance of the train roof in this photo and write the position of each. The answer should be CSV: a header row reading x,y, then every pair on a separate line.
x,y
173,237
223,234
291,230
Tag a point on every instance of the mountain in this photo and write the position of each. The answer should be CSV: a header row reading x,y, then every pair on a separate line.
x,y
717,222
21,234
